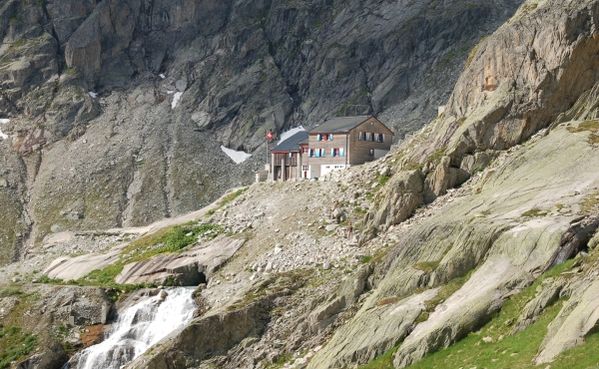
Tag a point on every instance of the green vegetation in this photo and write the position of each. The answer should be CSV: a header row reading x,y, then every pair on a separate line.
x,y
360,211
279,284
71,71
382,180
586,126
474,51
170,240
590,203
280,361
534,213
444,293
427,266
166,241
366,259
591,126
385,361
499,350
9,291
388,300
436,156
227,199
14,345
61,333
452,55
502,348
18,43
411,165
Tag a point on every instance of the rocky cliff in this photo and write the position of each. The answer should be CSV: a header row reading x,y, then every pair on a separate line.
x,y
473,244
117,108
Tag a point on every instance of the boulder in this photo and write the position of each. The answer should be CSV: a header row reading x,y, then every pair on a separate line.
x,y
373,331
548,294
400,197
72,268
578,317
444,177
188,268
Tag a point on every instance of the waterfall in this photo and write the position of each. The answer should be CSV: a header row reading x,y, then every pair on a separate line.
x,y
138,328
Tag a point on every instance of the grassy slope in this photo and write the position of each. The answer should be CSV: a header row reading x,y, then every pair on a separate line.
x,y
16,340
506,351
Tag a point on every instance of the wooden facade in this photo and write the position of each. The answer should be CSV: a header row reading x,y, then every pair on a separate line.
x,y
336,144
343,147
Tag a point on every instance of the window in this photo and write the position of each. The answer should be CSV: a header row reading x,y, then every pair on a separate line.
x,y
330,137
342,152
311,153
319,137
362,136
333,152
381,138
371,152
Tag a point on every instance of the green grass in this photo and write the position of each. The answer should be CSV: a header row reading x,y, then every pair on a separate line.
x,y
280,361
227,199
384,361
436,156
358,210
412,165
366,259
586,126
170,240
9,291
15,344
166,241
382,180
591,126
590,203
276,284
507,350
444,293
513,352
427,266
534,213
585,356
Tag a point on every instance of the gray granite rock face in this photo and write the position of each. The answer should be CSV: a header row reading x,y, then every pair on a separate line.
x,y
118,107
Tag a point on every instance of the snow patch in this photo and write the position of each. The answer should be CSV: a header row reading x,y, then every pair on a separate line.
x,y
92,94
285,135
176,99
237,156
3,136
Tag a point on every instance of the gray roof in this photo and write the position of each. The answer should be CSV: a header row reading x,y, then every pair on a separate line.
x,y
340,124
293,142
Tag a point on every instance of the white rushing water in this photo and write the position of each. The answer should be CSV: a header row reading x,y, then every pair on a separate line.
x,y
138,328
